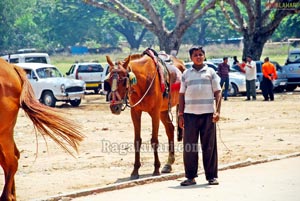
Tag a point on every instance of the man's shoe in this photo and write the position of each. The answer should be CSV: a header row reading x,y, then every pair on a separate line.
x,y
188,182
213,181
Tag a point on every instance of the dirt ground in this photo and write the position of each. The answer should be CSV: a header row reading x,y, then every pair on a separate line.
x,y
254,129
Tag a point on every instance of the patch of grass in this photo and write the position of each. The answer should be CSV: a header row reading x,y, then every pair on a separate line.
x,y
276,52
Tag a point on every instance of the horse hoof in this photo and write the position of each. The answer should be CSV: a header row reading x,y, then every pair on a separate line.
x,y
133,177
167,169
155,174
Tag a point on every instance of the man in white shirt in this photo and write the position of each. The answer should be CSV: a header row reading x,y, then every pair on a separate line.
x,y
200,90
250,71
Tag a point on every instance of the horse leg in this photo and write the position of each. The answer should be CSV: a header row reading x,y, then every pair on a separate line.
x,y
169,127
154,141
9,156
17,155
179,129
136,119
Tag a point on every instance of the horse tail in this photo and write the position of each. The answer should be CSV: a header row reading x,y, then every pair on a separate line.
x,y
46,120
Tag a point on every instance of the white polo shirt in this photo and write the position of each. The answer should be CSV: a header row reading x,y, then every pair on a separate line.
x,y
250,72
199,87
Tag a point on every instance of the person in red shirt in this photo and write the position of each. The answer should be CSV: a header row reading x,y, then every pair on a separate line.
x,y
269,74
243,65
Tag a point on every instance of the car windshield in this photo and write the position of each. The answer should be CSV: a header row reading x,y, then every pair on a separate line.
x,y
36,60
90,68
294,57
48,72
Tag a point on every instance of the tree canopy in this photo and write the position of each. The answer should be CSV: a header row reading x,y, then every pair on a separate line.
x,y
154,17
50,25
257,24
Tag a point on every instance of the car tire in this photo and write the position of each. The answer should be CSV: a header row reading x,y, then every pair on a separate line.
x,y
279,89
48,99
291,87
75,103
96,91
233,90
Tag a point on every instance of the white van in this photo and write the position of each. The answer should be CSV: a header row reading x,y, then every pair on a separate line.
x,y
28,58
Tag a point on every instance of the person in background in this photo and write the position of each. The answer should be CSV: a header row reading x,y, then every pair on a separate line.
x,y
250,72
269,74
200,89
235,60
243,65
223,72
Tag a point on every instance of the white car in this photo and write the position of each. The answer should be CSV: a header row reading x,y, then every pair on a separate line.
x,y
92,73
237,81
50,86
32,57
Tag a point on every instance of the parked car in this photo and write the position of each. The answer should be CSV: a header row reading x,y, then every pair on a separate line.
x,y
236,79
292,69
50,86
279,84
217,61
106,71
33,57
91,73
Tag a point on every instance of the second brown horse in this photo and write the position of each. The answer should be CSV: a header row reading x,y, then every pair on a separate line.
x,y
15,93
146,95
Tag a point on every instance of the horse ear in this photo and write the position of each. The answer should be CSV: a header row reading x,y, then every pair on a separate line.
x,y
127,60
110,63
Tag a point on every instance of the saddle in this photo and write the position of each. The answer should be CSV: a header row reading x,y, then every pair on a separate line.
x,y
169,75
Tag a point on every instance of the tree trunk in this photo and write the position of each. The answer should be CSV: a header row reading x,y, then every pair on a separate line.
x,y
169,42
129,32
185,16
254,44
258,26
202,33
133,41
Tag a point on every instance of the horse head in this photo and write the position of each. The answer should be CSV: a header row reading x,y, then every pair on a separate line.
x,y
117,83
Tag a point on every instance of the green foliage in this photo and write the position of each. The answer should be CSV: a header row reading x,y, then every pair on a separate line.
x,y
289,28
50,24
211,27
13,15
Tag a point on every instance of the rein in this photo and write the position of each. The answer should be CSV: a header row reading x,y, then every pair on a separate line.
x,y
131,106
115,94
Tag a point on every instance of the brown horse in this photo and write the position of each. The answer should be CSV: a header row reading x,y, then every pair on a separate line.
x,y
147,95
16,92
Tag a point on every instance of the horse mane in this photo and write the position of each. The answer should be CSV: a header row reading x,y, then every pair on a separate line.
x,y
138,56
135,56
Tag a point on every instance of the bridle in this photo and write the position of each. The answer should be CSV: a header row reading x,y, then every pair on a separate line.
x,y
117,104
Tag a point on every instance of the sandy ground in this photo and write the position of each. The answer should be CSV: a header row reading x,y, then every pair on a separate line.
x,y
254,129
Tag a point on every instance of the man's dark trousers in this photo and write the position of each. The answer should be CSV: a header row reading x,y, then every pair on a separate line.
x,y
194,126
